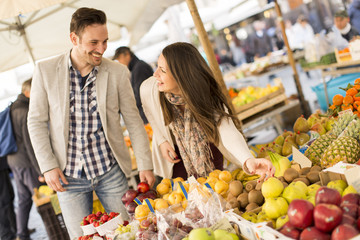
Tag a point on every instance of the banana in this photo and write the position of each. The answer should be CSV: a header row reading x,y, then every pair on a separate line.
x,y
240,176
235,172
253,177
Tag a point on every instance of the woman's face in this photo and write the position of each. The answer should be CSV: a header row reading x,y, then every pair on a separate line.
x,y
165,79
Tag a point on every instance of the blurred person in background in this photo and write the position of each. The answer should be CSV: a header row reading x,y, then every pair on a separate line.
x,y
303,33
260,42
7,219
354,14
23,163
342,25
237,51
140,71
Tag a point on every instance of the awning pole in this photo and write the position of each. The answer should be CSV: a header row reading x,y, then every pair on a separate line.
x,y
21,29
209,51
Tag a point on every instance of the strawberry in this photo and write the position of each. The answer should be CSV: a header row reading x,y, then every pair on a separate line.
x,y
104,218
91,215
112,214
84,223
98,214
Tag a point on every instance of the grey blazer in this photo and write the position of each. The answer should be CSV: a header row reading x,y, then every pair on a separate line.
x,y
48,118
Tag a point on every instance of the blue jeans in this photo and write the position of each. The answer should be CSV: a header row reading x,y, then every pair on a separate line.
x,y
77,201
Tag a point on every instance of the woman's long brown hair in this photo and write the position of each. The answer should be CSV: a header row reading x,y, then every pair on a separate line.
x,y
199,88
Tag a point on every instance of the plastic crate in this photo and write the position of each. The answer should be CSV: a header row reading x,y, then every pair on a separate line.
x,y
333,88
54,224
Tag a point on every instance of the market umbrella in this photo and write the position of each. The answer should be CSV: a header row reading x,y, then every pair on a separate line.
x,y
37,29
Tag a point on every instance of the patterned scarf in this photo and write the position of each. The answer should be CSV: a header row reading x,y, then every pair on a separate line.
x,y
191,140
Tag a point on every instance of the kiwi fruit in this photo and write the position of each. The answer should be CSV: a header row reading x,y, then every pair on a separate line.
x,y
250,185
285,184
255,196
304,180
290,174
251,206
232,203
258,185
313,176
315,168
304,171
243,199
235,188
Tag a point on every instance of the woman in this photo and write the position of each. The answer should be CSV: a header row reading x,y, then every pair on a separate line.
x,y
192,122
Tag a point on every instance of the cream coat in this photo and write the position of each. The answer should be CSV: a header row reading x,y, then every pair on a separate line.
x,y
232,144
48,118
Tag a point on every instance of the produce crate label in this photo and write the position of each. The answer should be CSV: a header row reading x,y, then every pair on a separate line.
x,y
149,205
183,190
138,202
300,158
353,178
223,224
340,167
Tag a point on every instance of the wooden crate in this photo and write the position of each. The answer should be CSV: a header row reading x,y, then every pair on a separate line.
x,y
342,57
261,104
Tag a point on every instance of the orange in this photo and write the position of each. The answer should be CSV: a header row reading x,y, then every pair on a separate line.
x,y
332,107
348,100
356,105
337,100
351,91
347,106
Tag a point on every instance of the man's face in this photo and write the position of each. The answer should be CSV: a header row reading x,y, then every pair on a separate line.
x,y
124,58
340,22
91,44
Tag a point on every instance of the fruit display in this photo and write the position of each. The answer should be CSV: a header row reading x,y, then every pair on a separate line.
x,y
350,101
333,216
251,93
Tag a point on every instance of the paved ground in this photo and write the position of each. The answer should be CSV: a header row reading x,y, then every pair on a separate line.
x,y
264,136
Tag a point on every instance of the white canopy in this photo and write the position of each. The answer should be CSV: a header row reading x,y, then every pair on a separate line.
x,y
40,28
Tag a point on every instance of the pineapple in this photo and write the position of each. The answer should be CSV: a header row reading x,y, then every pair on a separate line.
x,y
345,148
315,151
317,148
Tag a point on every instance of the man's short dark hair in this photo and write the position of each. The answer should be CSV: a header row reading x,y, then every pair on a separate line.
x,y
342,14
84,17
122,50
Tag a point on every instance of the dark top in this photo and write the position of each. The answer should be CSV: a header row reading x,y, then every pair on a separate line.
x,y
179,168
260,46
354,14
25,156
3,163
140,71
352,33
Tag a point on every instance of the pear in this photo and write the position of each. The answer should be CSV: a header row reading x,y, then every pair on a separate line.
x,y
286,133
302,138
318,127
287,148
279,140
277,148
291,139
329,124
314,118
262,153
301,125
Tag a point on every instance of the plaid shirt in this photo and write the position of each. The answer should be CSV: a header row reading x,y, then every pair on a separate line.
x,y
88,148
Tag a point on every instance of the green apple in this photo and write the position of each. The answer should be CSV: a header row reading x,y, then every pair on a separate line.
x,y
311,198
221,234
272,188
312,189
275,207
234,236
293,192
349,189
201,234
280,221
339,185
300,185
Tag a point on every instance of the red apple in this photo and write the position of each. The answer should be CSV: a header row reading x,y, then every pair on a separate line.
x,y
290,231
129,196
350,209
344,232
143,187
312,233
300,213
327,195
141,197
151,194
327,216
351,198
347,219
130,207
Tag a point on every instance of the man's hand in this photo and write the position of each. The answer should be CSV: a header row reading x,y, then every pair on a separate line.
x,y
148,177
168,152
52,179
260,166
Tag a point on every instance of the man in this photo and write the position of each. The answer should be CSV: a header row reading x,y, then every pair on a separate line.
x,y
74,123
140,71
354,14
342,25
259,41
23,163
8,220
